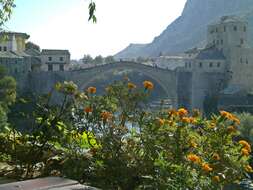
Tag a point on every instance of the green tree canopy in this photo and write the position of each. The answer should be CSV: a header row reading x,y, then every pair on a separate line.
x,y
109,59
98,59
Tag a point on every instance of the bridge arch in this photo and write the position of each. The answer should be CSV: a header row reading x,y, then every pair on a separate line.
x,y
165,78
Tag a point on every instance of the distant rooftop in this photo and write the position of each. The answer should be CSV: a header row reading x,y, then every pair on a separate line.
x,y
54,52
229,19
9,54
24,35
192,51
32,52
210,53
171,57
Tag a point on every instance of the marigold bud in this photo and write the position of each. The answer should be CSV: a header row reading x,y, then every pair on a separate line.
x,y
148,85
248,168
194,158
216,178
87,110
245,152
216,156
92,90
206,167
131,85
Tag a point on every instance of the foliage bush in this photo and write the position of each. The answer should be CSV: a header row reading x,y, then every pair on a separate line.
x,y
114,141
246,126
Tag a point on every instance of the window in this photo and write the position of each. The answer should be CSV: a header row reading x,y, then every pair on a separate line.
x,y
235,28
214,42
218,64
5,48
225,28
61,58
210,64
216,29
185,65
49,58
244,28
247,61
61,67
0,48
221,41
50,67
242,41
200,64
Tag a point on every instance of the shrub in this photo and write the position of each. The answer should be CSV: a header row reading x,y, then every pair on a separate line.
x,y
114,141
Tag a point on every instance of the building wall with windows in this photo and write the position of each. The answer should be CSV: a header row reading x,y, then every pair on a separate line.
x,y
241,67
12,55
229,32
13,41
208,65
55,60
227,53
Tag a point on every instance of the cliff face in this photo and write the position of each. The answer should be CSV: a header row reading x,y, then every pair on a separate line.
x,y
189,30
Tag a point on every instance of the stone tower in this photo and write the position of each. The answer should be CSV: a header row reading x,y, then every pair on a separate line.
x,y
228,33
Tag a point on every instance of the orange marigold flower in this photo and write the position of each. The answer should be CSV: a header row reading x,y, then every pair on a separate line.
x,y
225,114
106,115
245,152
148,85
216,156
131,85
182,112
236,120
230,116
194,158
172,112
87,110
192,120
160,121
248,168
206,167
245,145
92,90
185,120
216,178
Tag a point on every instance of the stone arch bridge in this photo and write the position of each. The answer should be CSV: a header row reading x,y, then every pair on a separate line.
x,y
44,81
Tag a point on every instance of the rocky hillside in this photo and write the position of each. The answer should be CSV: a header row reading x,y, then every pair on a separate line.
x,y
189,30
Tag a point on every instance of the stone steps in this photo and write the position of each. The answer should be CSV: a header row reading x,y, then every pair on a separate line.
x,y
48,183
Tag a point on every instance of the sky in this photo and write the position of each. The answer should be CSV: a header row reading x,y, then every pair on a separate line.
x,y
63,24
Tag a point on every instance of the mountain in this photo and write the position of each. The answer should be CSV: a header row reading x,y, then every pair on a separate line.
x,y
133,49
189,30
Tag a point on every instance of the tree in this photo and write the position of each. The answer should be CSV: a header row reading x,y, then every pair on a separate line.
x,y
7,95
6,10
98,59
87,59
109,59
30,45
